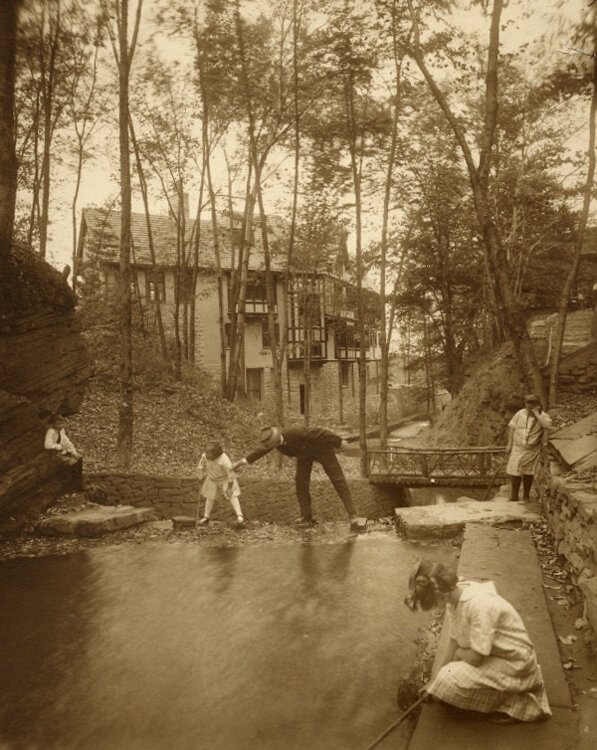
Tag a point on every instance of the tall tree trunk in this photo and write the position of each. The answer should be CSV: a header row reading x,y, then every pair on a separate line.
x,y
385,334
125,407
580,237
195,274
144,193
8,164
50,117
356,182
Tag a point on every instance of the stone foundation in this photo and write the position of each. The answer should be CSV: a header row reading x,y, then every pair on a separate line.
x,y
271,500
571,513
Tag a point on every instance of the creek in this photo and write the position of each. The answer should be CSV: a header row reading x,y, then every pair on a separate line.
x,y
176,647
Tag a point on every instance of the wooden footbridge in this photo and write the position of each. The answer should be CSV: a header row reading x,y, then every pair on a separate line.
x,y
437,467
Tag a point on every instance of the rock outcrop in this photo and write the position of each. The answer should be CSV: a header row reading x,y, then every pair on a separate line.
x,y
43,370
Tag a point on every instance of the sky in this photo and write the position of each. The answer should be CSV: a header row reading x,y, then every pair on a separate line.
x,y
524,21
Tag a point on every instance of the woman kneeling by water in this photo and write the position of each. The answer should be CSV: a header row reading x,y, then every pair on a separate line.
x,y
491,665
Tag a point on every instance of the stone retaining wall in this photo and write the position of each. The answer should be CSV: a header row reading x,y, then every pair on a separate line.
x,y
263,499
571,513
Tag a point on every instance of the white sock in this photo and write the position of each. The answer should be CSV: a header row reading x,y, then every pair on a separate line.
x,y
209,504
234,501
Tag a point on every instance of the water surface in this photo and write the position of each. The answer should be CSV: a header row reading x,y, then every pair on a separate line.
x,y
173,647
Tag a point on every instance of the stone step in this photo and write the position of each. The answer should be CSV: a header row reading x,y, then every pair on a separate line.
x,y
449,519
508,558
95,521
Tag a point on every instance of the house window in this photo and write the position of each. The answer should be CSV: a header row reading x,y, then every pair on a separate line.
x,y
256,288
110,281
156,285
345,374
255,383
266,342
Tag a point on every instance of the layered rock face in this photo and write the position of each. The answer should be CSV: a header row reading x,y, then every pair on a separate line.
x,y
43,370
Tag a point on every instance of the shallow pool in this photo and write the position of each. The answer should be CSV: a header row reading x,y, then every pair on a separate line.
x,y
178,646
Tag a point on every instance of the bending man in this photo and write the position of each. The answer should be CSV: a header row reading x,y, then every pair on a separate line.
x,y
306,444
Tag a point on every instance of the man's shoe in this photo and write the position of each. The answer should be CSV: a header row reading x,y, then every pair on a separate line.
x,y
306,523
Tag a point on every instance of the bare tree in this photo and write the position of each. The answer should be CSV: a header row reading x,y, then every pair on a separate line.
x,y
124,51
8,167
479,174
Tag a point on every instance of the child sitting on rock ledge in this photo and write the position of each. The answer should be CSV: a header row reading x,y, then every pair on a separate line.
x,y
57,440
490,666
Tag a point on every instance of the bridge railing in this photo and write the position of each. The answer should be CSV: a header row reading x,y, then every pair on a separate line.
x,y
473,466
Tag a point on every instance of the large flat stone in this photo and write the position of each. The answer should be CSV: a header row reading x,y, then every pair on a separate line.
x,y
433,521
438,728
579,429
96,521
508,558
573,451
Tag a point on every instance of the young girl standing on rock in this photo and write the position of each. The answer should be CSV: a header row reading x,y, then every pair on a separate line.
x,y
215,469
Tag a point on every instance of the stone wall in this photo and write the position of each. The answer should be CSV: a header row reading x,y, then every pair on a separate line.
x,y
262,499
43,369
578,371
571,512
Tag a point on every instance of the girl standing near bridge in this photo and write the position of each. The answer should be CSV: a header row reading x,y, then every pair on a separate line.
x,y
526,432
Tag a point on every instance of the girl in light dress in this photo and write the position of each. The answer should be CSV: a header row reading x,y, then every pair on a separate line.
x,y
215,469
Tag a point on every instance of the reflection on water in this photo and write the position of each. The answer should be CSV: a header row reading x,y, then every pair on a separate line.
x,y
151,647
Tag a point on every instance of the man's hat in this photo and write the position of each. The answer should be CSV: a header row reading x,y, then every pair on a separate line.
x,y
532,398
270,437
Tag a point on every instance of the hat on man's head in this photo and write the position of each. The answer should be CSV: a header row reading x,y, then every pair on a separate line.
x,y
270,437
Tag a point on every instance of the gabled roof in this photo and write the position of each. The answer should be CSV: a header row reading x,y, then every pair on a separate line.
x,y
100,230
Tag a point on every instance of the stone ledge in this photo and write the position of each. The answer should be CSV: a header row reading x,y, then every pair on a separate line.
x,y
437,521
95,522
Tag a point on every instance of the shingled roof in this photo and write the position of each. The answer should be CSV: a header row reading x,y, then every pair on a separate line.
x,y
100,230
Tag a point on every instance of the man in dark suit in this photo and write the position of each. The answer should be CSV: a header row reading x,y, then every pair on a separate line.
x,y
306,444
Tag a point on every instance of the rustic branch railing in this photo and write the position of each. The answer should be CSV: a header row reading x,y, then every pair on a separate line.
x,y
423,467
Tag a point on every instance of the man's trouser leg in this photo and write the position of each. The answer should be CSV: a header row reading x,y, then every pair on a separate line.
x,y
302,479
334,471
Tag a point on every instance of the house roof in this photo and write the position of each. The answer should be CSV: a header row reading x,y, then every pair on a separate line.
x,y
101,228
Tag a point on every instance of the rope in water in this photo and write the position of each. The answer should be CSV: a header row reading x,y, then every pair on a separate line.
x,y
397,722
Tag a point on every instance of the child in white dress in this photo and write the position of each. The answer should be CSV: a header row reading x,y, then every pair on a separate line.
x,y
215,469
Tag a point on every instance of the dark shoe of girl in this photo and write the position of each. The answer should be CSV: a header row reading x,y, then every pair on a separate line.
x,y
240,522
203,522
